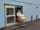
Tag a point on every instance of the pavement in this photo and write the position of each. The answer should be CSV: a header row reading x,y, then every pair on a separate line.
x,y
26,26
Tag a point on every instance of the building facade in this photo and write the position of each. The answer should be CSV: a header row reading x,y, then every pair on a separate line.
x,y
7,11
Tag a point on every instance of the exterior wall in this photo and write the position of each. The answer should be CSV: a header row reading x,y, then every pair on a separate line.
x,y
31,8
2,19
27,11
1,13
27,7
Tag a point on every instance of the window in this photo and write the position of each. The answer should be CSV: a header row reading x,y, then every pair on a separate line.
x,y
10,14
9,11
10,19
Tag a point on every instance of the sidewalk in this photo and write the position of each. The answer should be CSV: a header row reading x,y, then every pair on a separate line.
x,y
26,26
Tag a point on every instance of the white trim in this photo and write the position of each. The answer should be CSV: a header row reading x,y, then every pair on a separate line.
x,y
10,6
10,15
10,24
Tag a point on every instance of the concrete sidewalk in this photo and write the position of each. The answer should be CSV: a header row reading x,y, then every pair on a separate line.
x,y
26,26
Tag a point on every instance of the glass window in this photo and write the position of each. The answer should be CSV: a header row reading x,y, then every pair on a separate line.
x,y
10,19
9,11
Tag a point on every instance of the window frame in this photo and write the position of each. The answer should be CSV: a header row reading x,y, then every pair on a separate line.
x,y
9,15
